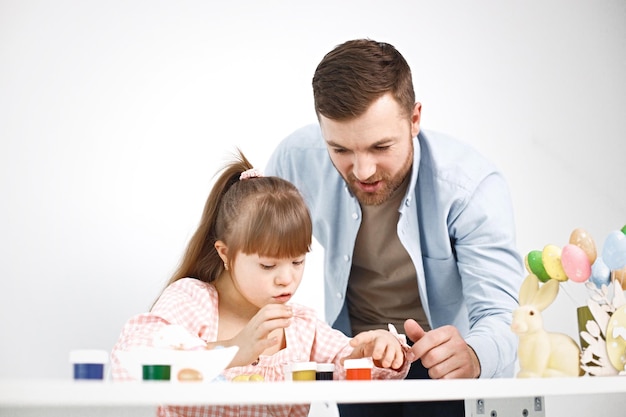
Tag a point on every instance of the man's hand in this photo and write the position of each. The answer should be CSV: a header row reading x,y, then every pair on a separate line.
x,y
442,351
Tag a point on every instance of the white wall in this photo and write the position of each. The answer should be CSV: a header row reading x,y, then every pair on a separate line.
x,y
114,115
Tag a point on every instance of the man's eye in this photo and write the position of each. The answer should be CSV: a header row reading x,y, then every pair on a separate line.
x,y
339,150
383,148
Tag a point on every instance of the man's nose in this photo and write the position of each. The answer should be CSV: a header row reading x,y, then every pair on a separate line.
x,y
364,166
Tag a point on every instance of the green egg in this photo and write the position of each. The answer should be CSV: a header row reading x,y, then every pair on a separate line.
x,y
535,264
624,229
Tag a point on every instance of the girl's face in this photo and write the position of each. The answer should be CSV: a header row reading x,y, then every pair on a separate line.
x,y
263,280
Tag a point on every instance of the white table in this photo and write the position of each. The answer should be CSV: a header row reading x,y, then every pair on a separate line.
x,y
605,396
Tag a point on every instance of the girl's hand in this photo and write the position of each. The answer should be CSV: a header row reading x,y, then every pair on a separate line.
x,y
260,333
381,345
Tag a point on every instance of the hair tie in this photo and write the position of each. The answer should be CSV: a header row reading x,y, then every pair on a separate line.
x,y
250,173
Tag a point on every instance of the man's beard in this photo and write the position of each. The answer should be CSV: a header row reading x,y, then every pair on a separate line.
x,y
389,185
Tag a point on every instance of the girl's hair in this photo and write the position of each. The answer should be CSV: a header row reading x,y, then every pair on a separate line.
x,y
355,74
264,215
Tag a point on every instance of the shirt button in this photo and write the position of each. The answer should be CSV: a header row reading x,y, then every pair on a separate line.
x,y
407,202
339,296
355,216
346,258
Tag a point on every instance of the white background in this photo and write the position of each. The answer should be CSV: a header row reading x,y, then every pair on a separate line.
x,y
115,115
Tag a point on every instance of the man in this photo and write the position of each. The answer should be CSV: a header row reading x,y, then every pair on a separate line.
x,y
414,224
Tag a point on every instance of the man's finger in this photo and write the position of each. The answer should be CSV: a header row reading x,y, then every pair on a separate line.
x,y
413,330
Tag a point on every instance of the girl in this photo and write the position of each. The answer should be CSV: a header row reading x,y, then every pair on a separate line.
x,y
233,287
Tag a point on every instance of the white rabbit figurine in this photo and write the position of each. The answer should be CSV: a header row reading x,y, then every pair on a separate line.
x,y
542,353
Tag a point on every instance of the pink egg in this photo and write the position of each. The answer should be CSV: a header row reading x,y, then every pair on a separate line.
x,y
575,263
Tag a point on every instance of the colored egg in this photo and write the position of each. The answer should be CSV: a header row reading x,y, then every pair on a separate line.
x,y
534,265
189,375
256,378
616,338
583,240
619,275
614,250
241,378
575,263
624,229
600,273
551,258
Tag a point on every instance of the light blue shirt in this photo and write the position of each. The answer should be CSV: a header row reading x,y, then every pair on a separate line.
x,y
456,223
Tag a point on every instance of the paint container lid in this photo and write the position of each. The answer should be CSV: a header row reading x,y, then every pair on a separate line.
x,y
89,356
325,367
360,363
303,366
156,372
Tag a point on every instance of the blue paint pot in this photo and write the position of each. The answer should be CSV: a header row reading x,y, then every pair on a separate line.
x,y
89,363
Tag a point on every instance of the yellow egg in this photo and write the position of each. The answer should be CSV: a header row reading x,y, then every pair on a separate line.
x,y
616,338
241,378
256,377
551,258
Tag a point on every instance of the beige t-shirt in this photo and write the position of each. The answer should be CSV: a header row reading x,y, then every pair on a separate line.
x,y
383,283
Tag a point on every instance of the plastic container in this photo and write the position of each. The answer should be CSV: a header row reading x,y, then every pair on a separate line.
x,y
358,369
89,363
324,372
303,371
185,365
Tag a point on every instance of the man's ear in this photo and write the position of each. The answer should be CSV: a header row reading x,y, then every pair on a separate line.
x,y
416,117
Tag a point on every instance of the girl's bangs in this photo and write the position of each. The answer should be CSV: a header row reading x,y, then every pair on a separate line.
x,y
282,233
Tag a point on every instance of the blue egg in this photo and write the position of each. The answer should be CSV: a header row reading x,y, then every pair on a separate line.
x,y
614,250
600,273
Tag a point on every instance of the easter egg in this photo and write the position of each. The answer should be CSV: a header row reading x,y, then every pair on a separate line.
x,y
551,257
189,375
575,263
614,250
256,378
583,240
624,229
534,265
600,273
241,378
619,275
616,338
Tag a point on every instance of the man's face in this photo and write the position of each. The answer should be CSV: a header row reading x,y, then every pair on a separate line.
x,y
373,152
